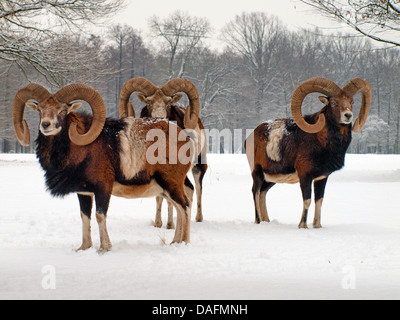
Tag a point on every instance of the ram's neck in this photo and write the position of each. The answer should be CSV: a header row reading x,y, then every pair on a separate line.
x,y
52,151
339,139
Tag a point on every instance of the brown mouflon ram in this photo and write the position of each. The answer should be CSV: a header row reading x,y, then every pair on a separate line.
x,y
97,157
160,103
307,149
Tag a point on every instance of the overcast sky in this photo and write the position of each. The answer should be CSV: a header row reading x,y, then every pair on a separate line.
x,y
293,13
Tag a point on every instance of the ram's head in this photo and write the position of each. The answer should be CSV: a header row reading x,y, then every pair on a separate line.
x,y
54,109
339,101
159,100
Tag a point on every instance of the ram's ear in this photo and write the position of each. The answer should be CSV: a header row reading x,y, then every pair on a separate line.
x,y
74,106
142,98
176,98
32,105
324,100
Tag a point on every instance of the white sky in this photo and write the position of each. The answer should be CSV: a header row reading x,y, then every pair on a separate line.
x,y
292,13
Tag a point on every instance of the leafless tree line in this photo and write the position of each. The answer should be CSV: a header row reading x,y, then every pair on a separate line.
x,y
251,80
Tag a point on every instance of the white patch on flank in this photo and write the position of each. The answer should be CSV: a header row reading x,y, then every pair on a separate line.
x,y
149,190
282,178
133,148
291,178
276,133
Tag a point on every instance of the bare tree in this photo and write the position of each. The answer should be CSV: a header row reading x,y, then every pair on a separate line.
x,y
23,30
214,76
376,19
182,34
255,35
120,34
125,57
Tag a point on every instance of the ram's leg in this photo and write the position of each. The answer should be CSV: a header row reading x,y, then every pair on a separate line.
x,y
182,206
174,191
158,222
186,227
319,190
258,180
86,203
170,224
305,185
182,232
189,190
266,186
198,173
102,203
178,237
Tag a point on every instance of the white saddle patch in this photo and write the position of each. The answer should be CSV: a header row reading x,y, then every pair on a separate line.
x,y
276,133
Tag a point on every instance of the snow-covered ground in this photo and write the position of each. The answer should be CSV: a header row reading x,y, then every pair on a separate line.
x,y
355,256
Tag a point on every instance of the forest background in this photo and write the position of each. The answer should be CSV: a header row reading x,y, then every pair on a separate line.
x,y
249,80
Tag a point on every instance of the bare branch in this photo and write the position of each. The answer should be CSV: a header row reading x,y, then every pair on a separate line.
x,y
378,20
182,33
24,35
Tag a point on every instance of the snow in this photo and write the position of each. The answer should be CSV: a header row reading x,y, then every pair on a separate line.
x,y
356,255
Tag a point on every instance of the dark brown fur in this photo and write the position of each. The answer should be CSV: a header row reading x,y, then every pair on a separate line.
x,y
96,169
305,158
176,114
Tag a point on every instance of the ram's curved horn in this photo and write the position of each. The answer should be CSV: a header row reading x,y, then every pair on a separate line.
x,y
93,98
193,110
320,85
32,91
136,84
355,86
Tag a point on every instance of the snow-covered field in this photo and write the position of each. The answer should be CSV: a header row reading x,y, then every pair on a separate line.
x,y
355,256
